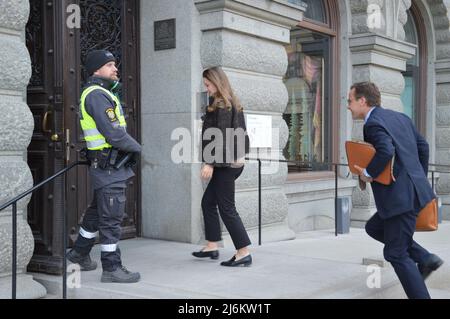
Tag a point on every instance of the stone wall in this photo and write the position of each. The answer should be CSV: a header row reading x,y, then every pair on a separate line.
x,y
247,39
441,12
170,81
379,57
16,128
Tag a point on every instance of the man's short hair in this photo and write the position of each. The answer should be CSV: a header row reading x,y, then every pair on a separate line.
x,y
368,90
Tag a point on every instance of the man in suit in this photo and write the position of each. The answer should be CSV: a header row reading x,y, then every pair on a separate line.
x,y
393,133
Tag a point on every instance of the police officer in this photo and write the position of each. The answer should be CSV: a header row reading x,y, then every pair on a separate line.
x,y
104,128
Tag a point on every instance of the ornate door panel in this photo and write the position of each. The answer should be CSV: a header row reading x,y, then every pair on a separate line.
x,y
44,99
110,25
57,53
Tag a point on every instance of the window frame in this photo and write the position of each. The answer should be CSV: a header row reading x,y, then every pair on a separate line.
x,y
420,97
330,29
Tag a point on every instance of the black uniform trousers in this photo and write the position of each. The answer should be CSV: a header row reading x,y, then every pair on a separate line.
x,y
396,233
220,193
104,214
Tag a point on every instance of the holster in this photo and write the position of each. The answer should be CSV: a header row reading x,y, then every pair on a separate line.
x,y
102,158
123,160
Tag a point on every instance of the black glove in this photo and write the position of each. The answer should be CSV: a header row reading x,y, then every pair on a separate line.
x,y
132,162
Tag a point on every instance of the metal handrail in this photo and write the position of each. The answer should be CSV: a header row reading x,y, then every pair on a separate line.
x,y
13,202
434,171
335,165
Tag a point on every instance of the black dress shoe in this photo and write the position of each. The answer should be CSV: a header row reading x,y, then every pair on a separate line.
x,y
432,264
213,254
246,261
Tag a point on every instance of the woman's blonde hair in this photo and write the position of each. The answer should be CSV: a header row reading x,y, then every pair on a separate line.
x,y
224,92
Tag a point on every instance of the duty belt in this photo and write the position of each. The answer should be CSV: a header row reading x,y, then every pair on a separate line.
x,y
104,159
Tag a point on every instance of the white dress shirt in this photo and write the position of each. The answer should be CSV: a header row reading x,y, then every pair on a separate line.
x,y
365,121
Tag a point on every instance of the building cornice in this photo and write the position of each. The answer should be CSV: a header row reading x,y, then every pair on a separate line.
x,y
380,50
278,12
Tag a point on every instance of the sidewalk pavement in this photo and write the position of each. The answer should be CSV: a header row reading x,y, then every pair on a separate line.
x,y
314,265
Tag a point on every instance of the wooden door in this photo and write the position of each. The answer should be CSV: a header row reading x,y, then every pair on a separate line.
x,y
57,54
45,152
110,25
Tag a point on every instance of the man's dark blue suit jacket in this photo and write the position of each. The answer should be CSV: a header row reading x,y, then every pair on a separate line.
x,y
392,133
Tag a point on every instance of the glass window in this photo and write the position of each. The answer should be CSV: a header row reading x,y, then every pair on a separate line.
x,y
315,10
411,75
307,112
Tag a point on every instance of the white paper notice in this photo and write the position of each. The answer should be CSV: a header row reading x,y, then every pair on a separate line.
x,y
259,129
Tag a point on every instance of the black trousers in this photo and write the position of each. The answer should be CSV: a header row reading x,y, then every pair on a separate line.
x,y
104,214
220,194
396,233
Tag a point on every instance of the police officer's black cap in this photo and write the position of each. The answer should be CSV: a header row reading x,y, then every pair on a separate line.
x,y
96,59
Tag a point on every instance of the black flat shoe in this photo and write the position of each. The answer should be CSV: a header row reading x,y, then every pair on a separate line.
x,y
213,254
432,264
245,262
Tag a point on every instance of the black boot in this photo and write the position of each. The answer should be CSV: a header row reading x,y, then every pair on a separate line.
x,y
85,262
121,275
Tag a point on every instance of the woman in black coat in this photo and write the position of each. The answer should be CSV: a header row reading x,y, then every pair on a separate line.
x,y
223,164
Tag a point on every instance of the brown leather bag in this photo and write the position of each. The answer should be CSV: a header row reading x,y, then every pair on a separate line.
x,y
361,153
427,220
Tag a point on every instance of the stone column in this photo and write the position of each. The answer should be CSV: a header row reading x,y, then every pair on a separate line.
x,y
443,133
247,39
16,128
441,17
378,56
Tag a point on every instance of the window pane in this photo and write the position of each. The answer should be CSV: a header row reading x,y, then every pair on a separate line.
x,y
410,29
408,97
306,113
315,10
411,37
411,74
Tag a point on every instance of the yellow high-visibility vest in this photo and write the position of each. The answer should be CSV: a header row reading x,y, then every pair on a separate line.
x,y
94,139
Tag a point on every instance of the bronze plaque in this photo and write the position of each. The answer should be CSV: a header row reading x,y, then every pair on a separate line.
x,y
165,34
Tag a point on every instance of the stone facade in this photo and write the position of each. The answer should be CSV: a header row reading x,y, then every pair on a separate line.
x,y
378,56
251,51
16,128
247,39
441,13
378,59
384,67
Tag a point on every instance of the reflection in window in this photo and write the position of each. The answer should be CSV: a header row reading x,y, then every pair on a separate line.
x,y
411,74
305,114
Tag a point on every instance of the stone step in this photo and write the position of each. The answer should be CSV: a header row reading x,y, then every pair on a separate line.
x,y
94,289
26,287
315,265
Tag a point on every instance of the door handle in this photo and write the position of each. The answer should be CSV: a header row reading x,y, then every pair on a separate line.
x,y
54,137
45,122
67,146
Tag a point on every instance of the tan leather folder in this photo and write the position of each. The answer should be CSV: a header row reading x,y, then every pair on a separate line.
x,y
361,153
427,220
